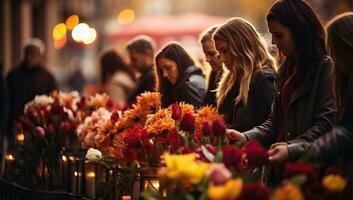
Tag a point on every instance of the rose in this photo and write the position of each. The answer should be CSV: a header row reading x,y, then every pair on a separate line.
x,y
176,111
231,156
298,168
93,154
187,123
256,154
218,128
255,191
206,129
218,174
40,132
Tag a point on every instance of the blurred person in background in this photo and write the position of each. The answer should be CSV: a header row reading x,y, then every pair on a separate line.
x,y
177,77
336,146
211,56
246,90
141,53
29,79
118,79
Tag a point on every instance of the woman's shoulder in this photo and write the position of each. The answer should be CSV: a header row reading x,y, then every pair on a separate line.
x,y
121,77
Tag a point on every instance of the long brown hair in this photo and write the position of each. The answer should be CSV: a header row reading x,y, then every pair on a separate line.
x,y
246,44
339,43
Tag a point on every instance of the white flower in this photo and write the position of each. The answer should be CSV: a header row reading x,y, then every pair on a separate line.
x,y
93,154
69,113
39,100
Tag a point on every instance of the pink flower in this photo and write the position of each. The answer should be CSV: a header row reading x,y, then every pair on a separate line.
x,y
219,128
187,123
218,174
176,111
40,132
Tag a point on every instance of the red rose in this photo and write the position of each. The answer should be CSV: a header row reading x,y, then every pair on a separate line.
x,y
254,191
186,150
187,123
256,154
218,128
297,168
176,111
231,156
206,129
40,132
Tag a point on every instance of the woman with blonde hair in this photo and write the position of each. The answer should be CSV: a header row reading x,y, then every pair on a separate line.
x,y
246,90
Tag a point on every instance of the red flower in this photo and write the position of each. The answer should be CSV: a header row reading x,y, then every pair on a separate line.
x,y
218,128
298,168
115,116
206,129
231,156
187,123
40,132
256,154
211,149
186,150
176,111
254,191
197,137
132,136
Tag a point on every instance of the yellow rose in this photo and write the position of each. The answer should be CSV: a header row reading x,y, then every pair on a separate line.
x,y
334,183
231,190
288,192
184,167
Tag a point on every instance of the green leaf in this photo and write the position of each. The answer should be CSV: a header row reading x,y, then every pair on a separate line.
x,y
207,154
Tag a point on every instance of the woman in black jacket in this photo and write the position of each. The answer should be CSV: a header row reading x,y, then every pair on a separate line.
x,y
304,106
246,90
178,79
337,145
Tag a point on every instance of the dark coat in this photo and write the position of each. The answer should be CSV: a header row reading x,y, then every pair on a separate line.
x,y
3,105
261,91
210,97
310,113
145,83
191,88
336,147
23,84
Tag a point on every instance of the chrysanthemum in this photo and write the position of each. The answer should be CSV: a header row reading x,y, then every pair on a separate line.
x,y
159,122
206,114
149,101
117,147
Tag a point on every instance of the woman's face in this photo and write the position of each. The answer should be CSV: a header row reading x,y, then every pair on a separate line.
x,y
169,70
225,55
281,37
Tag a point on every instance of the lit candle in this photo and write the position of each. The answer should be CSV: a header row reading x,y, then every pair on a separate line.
x,y
20,137
126,197
9,159
91,183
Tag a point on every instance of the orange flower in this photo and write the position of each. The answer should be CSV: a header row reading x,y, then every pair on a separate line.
x,y
117,147
186,108
288,192
162,120
149,101
206,114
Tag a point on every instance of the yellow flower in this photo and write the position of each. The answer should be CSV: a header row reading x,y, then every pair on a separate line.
x,y
206,114
288,192
334,183
184,168
231,190
160,121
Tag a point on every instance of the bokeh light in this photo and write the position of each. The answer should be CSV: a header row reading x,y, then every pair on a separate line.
x,y
59,31
59,44
81,32
72,21
91,37
126,16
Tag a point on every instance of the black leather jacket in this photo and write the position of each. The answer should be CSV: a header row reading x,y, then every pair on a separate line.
x,y
310,113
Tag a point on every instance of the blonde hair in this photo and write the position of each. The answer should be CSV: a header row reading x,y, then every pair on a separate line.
x,y
251,53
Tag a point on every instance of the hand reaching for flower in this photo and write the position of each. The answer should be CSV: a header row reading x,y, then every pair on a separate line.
x,y
278,152
235,135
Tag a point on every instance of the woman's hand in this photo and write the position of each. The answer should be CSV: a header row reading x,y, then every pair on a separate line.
x,y
236,135
278,152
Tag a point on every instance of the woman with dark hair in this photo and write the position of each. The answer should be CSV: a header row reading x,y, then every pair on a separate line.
x,y
304,106
117,78
177,77
337,145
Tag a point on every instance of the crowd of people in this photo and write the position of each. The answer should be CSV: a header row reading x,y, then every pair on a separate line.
x,y
302,103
